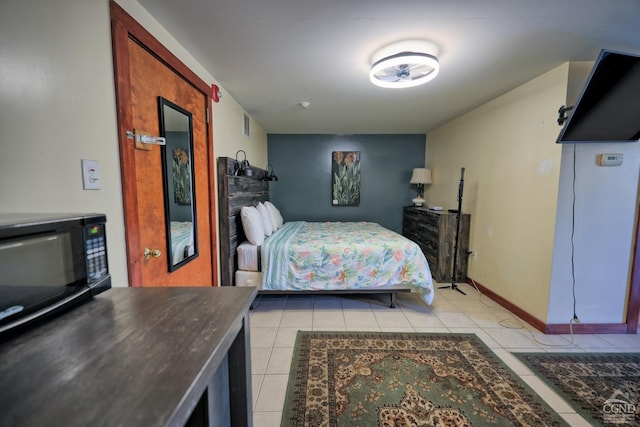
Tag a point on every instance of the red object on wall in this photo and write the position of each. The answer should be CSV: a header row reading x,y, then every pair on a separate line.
x,y
215,93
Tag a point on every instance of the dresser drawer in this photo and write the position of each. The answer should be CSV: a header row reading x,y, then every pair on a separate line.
x,y
419,225
434,232
430,254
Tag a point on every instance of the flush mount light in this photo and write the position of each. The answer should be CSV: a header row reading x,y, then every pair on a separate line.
x,y
405,64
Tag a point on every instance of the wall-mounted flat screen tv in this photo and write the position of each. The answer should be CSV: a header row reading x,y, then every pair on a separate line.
x,y
608,109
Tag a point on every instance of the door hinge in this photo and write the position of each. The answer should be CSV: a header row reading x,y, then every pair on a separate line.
x,y
208,115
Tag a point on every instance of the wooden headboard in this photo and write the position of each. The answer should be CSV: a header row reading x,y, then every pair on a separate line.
x,y
234,192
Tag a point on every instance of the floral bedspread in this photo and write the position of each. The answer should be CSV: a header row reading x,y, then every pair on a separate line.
x,y
181,240
342,255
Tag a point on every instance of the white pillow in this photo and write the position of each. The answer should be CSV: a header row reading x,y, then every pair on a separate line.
x,y
266,219
252,225
276,214
272,215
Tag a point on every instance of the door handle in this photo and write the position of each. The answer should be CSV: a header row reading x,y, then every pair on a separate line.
x,y
148,253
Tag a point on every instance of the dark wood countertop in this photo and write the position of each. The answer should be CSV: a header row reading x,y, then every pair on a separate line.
x,y
129,357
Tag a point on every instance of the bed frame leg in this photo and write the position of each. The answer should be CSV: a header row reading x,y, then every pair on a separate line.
x,y
393,300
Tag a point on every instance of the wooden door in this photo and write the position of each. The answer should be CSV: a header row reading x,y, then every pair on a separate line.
x,y
145,70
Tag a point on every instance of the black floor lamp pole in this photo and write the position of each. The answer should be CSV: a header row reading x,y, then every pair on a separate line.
x,y
455,245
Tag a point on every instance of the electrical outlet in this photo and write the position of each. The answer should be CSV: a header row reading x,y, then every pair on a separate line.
x,y
474,256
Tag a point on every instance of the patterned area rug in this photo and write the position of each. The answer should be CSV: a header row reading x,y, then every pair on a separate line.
x,y
406,379
603,387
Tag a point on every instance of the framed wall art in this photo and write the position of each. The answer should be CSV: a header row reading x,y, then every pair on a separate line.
x,y
181,176
345,178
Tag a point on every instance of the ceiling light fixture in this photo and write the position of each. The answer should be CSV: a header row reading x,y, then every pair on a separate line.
x,y
405,64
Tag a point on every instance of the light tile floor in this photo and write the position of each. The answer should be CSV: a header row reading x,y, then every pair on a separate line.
x,y
276,320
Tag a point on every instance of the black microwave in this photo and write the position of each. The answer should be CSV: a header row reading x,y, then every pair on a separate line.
x,y
48,264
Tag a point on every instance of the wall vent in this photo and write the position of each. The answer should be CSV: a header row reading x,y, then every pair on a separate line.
x,y
245,128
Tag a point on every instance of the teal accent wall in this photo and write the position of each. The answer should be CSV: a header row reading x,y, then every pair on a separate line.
x,y
303,166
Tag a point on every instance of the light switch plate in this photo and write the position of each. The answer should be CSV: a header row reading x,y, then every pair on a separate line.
x,y
90,174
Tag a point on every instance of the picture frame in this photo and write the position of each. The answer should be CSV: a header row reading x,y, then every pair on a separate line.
x,y
345,178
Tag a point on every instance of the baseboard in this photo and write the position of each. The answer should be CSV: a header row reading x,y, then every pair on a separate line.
x,y
586,328
554,328
527,317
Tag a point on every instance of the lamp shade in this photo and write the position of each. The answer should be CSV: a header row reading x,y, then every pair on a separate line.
x,y
421,176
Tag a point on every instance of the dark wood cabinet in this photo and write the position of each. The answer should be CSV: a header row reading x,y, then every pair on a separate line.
x,y
435,232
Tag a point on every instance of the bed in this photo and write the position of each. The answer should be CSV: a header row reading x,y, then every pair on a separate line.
x,y
181,240
318,257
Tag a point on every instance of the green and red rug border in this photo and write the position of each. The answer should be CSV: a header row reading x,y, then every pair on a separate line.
x,y
525,358
293,381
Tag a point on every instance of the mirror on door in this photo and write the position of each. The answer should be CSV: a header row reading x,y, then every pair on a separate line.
x,y
179,192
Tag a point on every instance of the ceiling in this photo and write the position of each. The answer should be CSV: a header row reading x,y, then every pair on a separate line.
x,y
270,55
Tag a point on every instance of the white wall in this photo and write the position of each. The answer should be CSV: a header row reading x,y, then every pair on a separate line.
x,y
605,209
228,120
519,191
57,106
511,186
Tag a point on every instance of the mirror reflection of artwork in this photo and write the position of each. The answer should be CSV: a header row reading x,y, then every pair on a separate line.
x,y
181,177
345,178
179,186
